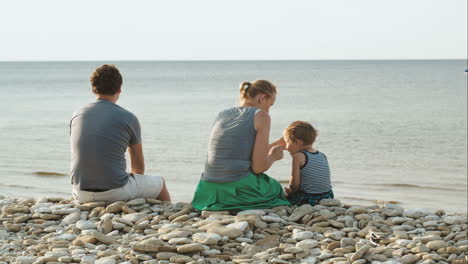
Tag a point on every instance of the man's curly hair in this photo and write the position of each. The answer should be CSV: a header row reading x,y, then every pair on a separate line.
x,y
106,80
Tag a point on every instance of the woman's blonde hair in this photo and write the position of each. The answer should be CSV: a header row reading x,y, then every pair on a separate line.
x,y
252,89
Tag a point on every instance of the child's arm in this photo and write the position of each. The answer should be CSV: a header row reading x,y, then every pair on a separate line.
x,y
298,160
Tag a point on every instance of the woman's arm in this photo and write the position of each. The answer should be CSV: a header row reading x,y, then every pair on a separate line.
x,y
262,156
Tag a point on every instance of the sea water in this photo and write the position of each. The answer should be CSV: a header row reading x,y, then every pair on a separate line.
x,y
392,130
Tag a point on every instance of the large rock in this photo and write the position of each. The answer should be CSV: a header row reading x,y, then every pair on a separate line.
x,y
300,212
330,202
104,239
25,260
115,207
136,202
241,226
145,247
307,244
269,241
300,235
83,225
251,212
416,213
360,252
409,259
347,242
71,218
437,244
356,209
108,260
222,230
15,208
175,234
180,259
190,248
206,238
454,219
134,217
426,239
210,213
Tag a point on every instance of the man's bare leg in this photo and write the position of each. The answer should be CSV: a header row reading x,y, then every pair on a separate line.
x,y
164,194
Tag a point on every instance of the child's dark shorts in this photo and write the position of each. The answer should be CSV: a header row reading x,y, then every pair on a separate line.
x,y
301,197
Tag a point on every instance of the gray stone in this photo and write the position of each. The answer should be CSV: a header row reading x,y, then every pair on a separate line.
x,y
136,202
300,212
25,260
302,235
252,212
71,218
409,259
330,202
190,248
134,217
115,207
241,226
454,219
437,244
206,238
357,210
359,253
106,261
88,259
83,225
307,244
141,247
180,259
416,213
347,242
426,239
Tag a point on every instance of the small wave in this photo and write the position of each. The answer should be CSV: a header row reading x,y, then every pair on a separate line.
x,y
404,185
17,186
47,173
401,185
371,200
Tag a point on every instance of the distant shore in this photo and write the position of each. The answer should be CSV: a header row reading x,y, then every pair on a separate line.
x,y
149,231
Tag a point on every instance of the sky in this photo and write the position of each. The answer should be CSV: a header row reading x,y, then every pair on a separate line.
x,y
50,30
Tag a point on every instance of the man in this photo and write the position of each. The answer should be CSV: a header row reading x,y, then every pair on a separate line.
x,y
100,134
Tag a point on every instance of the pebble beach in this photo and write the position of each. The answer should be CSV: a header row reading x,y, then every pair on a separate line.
x,y
58,230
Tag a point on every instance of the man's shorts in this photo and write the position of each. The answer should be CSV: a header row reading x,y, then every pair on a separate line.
x,y
138,186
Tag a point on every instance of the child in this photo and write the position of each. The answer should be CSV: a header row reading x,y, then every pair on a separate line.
x,y
310,178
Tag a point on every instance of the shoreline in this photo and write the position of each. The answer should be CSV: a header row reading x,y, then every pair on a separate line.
x,y
149,231
406,197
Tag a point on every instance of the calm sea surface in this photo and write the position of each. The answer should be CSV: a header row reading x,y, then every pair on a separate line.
x,y
392,130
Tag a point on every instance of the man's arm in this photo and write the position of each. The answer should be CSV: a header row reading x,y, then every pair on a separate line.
x,y
137,160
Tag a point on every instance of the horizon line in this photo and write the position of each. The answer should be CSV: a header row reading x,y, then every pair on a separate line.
x,y
234,60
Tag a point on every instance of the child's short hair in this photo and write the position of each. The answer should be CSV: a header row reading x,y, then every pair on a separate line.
x,y
300,130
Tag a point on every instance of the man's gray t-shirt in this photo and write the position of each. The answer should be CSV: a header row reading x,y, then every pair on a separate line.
x,y
100,134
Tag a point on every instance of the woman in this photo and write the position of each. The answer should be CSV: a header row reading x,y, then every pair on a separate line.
x,y
238,154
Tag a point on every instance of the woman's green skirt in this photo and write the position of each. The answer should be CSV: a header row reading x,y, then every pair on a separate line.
x,y
252,192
